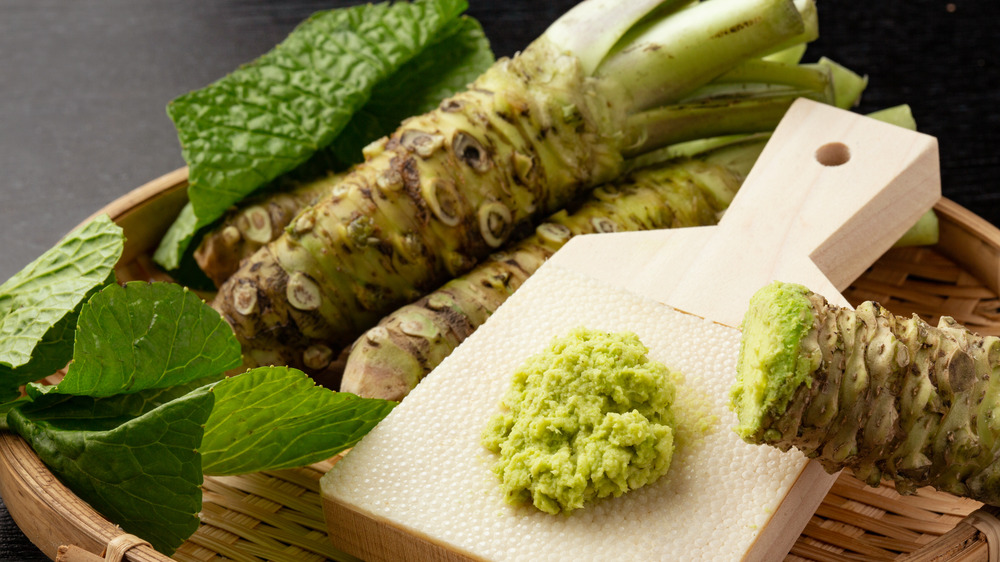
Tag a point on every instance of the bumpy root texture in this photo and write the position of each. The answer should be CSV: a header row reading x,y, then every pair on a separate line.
x,y
442,192
886,396
390,359
262,219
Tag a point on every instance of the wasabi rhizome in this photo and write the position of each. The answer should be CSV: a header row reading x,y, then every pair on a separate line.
x,y
884,395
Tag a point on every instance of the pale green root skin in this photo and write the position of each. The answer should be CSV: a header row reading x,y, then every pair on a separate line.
x,y
891,397
258,221
925,232
390,359
588,418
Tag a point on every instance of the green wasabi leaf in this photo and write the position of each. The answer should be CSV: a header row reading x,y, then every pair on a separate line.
x,y
144,473
39,304
42,404
178,237
6,407
50,354
276,417
442,63
444,68
176,251
147,335
272,114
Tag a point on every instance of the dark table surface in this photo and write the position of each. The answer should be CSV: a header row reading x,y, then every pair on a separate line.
x,y
84,84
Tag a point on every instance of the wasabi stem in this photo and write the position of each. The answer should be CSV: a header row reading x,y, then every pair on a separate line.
x,y
886,396
696,45
790,55
925,232
589,30
451,186
850,85
804,77
667,126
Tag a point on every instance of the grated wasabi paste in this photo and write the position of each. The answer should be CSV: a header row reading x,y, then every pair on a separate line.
x,y
589,417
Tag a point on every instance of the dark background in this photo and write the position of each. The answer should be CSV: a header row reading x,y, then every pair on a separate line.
x,y
84,84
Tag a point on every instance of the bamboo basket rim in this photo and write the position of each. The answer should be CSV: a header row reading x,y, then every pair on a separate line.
x,y
52,516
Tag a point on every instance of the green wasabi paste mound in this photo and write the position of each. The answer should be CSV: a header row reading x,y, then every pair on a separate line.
x,y
589,417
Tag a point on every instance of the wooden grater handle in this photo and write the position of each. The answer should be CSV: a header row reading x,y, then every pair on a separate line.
x,y
830,193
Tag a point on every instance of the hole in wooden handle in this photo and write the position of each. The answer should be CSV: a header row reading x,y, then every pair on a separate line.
x,y
833,154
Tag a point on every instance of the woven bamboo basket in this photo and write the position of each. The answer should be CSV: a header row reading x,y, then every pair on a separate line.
x,y
278,515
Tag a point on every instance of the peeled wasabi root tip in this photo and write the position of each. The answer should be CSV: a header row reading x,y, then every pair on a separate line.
x,y
888,397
